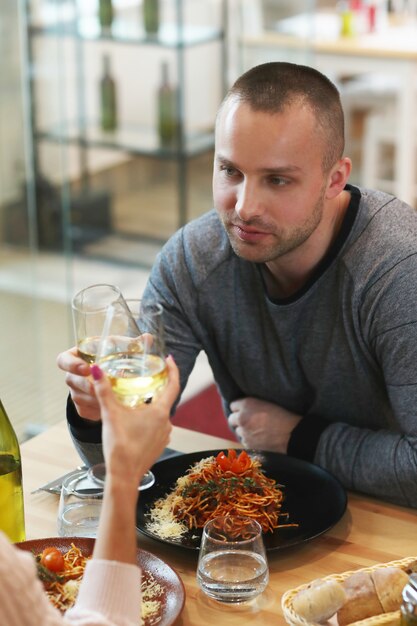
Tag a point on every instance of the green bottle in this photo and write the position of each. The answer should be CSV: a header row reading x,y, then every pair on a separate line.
x,y
151,16
108,98
105,13
167,109
12,517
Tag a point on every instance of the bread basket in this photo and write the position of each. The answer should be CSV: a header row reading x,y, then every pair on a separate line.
x,y
385,619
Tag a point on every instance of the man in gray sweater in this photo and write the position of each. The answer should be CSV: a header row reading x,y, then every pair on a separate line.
x,y
299,287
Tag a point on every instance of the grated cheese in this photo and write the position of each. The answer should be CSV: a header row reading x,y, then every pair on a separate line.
x,y
151,606
163,522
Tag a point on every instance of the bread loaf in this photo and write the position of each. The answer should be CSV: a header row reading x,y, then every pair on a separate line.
x,y
361,599
372,593
319,601
389,583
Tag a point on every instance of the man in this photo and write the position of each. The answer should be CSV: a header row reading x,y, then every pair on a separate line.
x,y
299,287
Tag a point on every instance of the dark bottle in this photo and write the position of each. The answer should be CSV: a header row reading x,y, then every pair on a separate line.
x,y
108,98
105,13
12,518
151,16
167,109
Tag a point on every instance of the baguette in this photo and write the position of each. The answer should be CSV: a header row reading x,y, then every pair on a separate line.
x,y
361,601
372,593
389,583
319,601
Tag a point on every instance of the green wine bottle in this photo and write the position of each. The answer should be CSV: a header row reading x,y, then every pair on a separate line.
x,y
105,13
167,109
151,16
12,517
108,98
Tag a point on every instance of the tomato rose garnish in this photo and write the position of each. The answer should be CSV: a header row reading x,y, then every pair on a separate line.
x,y
232,462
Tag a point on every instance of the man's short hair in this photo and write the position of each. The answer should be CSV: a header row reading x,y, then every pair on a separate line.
x,y
272,87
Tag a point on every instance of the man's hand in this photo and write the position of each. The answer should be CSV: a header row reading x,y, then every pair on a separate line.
x,y
262,425
81,388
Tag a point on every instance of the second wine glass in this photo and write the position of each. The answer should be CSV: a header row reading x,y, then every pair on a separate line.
x,y
131,353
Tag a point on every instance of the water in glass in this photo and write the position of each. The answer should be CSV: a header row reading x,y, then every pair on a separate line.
x,y
233,575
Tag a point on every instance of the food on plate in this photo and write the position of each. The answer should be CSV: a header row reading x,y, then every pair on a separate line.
x,y
319,601
52,559
228,484
371,593
62,572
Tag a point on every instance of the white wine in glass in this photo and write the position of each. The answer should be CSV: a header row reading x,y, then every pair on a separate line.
x,y
89,310
132,355
135,378
89,307
132,351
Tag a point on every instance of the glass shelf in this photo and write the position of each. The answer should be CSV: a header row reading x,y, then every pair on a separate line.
x,y
74,25
129,138
125,32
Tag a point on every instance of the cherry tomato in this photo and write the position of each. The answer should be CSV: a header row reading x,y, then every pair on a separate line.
x,y
52,559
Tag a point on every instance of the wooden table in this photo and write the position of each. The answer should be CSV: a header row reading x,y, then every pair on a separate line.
x,y
370,532
393,51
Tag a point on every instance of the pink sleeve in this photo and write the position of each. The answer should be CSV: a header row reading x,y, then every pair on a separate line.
x,y
22,598
115,588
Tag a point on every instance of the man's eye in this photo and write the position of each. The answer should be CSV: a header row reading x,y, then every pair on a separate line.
x,y
229,171
278,180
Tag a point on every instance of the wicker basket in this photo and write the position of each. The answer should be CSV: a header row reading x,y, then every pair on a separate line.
x,y
385,619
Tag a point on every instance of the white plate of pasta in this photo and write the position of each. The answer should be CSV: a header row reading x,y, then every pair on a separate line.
x,y
163,593
294,501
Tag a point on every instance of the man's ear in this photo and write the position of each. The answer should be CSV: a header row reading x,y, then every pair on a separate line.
x,y
338,177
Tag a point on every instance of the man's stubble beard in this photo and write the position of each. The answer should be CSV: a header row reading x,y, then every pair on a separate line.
x,y
251,252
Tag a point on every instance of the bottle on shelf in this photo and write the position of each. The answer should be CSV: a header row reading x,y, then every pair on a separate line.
x,y
151,16
347,18
12,517
105,13
167,109
108,97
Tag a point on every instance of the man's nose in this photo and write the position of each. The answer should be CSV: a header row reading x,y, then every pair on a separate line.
x,y
248,203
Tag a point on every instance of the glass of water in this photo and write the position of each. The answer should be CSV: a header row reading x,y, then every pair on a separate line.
x,y
232,563
79,506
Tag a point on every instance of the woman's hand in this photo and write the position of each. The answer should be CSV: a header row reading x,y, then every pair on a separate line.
x,y
133,438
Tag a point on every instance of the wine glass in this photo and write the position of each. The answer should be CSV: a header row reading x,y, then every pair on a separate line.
x,y
89,307
131,353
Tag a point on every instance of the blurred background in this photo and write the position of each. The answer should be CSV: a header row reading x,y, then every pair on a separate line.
x,y
107,112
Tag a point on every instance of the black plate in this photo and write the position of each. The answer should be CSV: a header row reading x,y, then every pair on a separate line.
x,y
313,498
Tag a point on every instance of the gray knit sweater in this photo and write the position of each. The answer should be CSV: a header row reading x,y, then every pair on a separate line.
x,y
342,352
